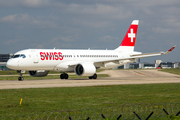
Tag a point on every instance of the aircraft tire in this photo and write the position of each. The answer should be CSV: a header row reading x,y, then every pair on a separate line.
x,y
62,76
90,77
66,76
94,76
20,78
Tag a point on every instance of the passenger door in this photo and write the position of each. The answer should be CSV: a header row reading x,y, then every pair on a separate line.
x,y
35,56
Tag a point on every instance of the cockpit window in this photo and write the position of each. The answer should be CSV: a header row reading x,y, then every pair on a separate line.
x,y
15,56
23,56
18,55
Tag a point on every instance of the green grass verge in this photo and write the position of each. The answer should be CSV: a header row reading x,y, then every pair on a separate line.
x,y
37,100
9,72
171,70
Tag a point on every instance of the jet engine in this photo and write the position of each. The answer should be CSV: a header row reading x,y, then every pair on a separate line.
x,y
85,69
38,73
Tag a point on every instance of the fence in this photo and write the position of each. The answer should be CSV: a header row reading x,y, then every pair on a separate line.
x,y
160,111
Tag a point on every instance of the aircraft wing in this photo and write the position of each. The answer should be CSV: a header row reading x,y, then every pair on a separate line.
x,y
137,56
152,54
132,57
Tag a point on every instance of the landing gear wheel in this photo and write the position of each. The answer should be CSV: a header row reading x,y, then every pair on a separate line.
x,y
93,77
64,76
90,77
20,78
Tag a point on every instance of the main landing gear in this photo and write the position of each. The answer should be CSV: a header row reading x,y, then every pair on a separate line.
x,y
64,76
93,77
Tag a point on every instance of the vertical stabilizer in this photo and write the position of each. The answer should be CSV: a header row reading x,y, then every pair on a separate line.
x,y
129,40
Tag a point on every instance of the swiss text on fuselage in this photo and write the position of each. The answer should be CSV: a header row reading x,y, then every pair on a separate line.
x,y
51,56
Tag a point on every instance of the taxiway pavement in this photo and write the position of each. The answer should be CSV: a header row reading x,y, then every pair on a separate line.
x,y
117,77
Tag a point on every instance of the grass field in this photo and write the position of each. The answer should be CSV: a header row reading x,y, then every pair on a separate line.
x,y
171,70
56,99
38,100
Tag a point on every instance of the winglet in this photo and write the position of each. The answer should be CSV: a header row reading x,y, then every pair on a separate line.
x,y
167,52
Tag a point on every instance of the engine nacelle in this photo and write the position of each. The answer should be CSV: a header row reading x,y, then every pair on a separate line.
x,y
38,73
85,69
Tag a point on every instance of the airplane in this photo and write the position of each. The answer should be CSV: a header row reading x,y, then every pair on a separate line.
x,y
38,62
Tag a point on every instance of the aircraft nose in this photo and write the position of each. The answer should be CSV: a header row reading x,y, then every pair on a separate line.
x,y
11,64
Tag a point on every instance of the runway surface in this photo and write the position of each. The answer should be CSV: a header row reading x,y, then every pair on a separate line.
x,y
117,77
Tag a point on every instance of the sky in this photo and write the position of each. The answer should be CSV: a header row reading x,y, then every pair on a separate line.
x,y
94,24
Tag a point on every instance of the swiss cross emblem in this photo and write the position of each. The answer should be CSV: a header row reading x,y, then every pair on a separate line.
x,y
131,35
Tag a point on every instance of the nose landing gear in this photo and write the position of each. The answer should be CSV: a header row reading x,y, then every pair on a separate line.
x,y
21,78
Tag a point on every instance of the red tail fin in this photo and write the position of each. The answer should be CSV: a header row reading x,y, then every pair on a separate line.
x,y
129,40
130,37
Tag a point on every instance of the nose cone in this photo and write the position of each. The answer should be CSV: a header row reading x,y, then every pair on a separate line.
x,y
11,64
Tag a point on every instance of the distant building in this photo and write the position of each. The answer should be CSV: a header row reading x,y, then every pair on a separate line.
x,y
168,65
3,59
144,65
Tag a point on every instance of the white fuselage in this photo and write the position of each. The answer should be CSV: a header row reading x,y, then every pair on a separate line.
x,y
63,60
